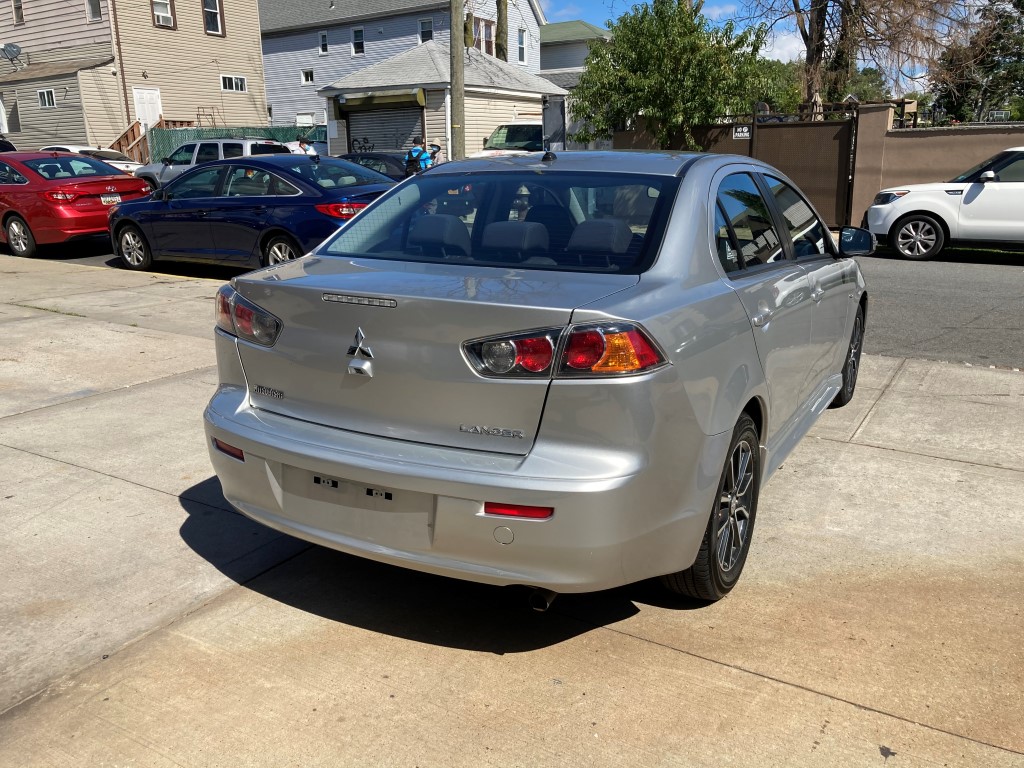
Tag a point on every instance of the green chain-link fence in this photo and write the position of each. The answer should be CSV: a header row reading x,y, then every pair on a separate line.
x,y
163,141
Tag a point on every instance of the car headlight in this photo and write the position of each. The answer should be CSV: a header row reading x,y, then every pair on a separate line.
x,y
884,198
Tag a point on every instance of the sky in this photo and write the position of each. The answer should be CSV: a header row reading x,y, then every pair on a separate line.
x,y
785,46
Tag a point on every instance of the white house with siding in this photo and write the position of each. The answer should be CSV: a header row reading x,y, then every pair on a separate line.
x,y
310,44
385,106
84,75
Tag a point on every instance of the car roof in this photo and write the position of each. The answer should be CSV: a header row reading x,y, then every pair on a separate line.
x,y
653,163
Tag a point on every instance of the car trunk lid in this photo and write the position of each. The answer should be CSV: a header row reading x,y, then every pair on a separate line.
x,y
97,193
406,323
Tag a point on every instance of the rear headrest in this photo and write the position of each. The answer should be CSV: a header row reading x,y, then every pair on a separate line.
x,y
518,236
600,236
441,229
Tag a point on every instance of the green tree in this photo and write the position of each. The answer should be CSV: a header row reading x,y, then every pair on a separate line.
x,y
868,85
986,71
779,84
666,63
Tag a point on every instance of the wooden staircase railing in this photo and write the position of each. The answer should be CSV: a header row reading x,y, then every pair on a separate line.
x,y
134,143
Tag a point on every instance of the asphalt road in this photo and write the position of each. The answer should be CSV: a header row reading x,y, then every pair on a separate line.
x,y
965,307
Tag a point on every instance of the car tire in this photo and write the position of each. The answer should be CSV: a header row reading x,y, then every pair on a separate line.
x,y
20,239
918,237
726,542
133,248
851,365
279,249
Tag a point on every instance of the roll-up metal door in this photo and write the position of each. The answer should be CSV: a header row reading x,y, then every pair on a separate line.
x,y
383,130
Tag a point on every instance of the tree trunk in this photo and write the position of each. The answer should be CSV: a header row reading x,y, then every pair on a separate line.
x,y
501,34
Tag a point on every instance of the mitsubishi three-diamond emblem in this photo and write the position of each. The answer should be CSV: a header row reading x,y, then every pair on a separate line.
x,y
358,347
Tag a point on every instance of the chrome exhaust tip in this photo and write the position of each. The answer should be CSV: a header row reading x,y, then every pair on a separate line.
x,y
541,599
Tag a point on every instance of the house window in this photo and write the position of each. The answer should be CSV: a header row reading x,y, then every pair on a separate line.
x,y
93,10
323,43
522,46
163,13
358,49
213,17
307,77
483,35
46,100
426,30
233,83
304,119
19,12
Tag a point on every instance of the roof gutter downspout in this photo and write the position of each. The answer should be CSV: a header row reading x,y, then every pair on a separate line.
x,y
120,60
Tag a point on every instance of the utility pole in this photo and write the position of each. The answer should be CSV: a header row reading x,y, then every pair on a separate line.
x,y
458,81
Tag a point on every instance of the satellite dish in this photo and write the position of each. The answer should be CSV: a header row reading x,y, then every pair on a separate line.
x,y
10,51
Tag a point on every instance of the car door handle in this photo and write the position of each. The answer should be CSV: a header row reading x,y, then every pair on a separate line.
x,y
761,319
817,294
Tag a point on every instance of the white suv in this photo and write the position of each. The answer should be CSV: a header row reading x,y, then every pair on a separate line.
x,y
981,205
203,151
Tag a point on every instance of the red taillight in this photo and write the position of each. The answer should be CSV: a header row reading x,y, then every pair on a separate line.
x,y
60,195
230,450
240,317
585,350
518,510
534,354
340,210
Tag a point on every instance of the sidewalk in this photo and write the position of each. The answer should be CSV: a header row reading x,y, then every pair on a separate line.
x,y
878,622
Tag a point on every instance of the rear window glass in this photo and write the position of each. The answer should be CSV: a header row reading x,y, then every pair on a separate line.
x,y
525,137
71,167
329,173
269,149
546,220
107,154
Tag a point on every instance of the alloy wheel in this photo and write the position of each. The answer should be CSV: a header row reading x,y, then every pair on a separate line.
x,y
17,236
733,518
132,247
280,252
853,358
916,238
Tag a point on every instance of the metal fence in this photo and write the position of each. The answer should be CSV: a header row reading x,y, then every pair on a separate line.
x,y
163,141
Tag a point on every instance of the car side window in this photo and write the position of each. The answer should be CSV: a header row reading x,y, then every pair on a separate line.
x,y
1012,171
243,181
810,236
10,176
725,245
747,214
201,184
207,152
232,149
183,155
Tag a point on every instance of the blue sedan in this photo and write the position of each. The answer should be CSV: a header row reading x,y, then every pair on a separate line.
x,y
246,211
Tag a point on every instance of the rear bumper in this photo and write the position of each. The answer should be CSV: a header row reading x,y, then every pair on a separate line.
x,y
619,515
64,224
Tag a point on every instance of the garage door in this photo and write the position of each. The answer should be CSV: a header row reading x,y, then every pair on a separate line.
x,y
382,130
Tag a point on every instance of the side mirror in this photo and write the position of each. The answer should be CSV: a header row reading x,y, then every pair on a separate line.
x,y
988,176
854,241
166,161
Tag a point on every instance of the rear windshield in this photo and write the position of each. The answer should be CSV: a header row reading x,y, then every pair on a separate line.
x,y
330,173
107,154
71,167
547,220
526,137
269,149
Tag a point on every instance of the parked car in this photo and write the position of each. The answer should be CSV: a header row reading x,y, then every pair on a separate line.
x,y
52,197
112,157
516,138
6,145
982,205
247,211
205,151
572,394
391,164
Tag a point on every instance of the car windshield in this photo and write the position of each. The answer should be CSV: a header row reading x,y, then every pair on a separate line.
x,y
71,167
523,137
536,220
980,167
334,174
107,154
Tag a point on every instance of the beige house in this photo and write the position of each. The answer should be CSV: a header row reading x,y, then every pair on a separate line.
x,y
96,71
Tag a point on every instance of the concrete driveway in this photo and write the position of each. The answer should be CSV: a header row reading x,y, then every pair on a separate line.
x,y
143,623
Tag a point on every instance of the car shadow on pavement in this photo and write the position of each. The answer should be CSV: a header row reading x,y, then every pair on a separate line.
x,y
387,599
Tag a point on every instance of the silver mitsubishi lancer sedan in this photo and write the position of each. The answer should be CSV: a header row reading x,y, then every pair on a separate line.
x,y
566,372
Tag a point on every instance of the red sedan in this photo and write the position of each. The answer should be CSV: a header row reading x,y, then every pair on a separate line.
x,y
50,197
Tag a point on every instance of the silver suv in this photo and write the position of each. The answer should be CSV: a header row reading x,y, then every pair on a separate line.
x,y
188,155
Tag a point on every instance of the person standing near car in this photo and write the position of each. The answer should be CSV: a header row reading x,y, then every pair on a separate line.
x,y
417,159
305,148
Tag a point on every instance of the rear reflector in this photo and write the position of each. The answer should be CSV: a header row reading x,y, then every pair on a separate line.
x,y
518,510
230,450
